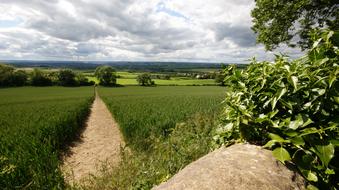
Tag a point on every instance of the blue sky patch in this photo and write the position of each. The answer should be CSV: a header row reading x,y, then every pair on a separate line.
x,y
10,23
161,7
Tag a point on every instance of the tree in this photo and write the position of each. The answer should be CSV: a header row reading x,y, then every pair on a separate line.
x,y
38,78
83,81
106,75
67,78
18,78
5,73
10,77
283,21
145,80
220,79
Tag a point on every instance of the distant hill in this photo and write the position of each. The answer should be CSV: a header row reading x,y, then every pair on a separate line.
x,y
119,65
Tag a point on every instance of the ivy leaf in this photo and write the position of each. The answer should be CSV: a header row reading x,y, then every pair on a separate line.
x,y
281,154
325,153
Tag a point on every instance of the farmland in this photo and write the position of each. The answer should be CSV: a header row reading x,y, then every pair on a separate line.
x,y
129,78
167,127
142,111
35,125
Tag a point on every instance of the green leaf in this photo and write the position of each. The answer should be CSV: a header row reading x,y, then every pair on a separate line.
x,y
275,137
308,131
270,144
281,154
293,80
329,171
331,79
335,142
309,121
325,153
277,96
312,177
298,140
336,99
296,123
321,61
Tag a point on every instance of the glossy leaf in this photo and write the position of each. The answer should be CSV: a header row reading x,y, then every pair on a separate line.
x,y
325,153
281,154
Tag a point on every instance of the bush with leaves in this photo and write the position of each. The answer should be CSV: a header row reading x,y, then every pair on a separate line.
x,y
106,75
291,108
39,78
66,77
145,79
10,77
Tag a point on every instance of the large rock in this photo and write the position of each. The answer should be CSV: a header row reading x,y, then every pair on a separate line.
x,y
241,166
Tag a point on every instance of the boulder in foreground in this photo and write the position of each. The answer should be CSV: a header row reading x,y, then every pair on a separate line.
x,y
241,166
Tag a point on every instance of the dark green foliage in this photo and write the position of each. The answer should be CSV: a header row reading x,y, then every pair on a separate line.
x,y
83,81
278,22
106,75
219,79
292,108
38,78
10,77
145,80
66,77
35,124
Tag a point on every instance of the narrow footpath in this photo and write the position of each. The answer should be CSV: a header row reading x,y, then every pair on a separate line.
x,y
99,144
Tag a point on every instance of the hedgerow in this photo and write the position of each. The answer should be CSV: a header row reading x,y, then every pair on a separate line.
x,y
291,107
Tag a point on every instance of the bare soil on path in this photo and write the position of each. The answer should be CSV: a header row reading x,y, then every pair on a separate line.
x,y
98,145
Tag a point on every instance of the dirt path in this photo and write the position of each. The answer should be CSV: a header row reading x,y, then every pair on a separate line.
x,y
99,144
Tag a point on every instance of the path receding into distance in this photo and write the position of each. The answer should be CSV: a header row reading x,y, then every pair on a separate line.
x,y
99,144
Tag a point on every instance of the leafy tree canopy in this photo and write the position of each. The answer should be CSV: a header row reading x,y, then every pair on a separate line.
x,y
106,75
38,78
279,21
145,80
67,78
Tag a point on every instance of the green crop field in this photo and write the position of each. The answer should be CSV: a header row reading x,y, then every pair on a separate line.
x,y
141,111
166,127
180,81
35,123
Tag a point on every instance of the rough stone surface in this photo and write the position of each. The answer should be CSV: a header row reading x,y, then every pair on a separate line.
x,y
241,166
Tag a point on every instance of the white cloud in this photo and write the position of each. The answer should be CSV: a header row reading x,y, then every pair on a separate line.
x,y
159,30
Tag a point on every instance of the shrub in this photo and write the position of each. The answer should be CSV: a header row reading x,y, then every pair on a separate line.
x,y
38,78
145,80
106,75
83,81
292,108
67,78
10,77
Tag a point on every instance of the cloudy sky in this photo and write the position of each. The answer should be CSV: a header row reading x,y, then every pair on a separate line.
x,y
130,30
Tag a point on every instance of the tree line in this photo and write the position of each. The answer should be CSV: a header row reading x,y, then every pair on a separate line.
x,y
9,76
